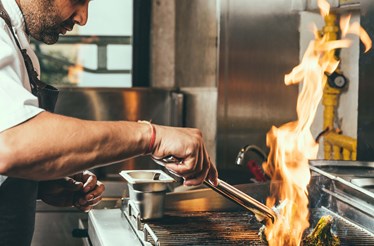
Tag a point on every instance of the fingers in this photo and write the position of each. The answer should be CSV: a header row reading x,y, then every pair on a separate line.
x,y
72,184
96,192
209,172
89,181
197,170
85,205
86,201
200,170
213,174
197,179
188,145
189,167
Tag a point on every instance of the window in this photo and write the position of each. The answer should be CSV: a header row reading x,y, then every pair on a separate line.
x,y
96,55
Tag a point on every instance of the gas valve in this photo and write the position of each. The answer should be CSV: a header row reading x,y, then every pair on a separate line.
x,y
337,80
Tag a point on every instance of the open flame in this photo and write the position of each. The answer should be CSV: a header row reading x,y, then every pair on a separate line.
x,y
355,28
292,144
324,7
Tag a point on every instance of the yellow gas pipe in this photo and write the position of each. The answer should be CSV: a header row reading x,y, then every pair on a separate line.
x,y
333,142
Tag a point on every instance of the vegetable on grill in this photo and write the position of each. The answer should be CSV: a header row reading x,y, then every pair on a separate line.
x,y
322,234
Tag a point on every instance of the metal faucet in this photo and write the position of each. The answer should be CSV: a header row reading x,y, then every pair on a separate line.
x,y
253,148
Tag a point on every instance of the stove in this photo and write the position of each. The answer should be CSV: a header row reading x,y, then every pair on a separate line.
x,y
203,217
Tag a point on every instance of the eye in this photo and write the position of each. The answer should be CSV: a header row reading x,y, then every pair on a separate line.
x,y
76,2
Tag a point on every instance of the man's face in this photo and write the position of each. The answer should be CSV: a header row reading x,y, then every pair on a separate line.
x,y
47,19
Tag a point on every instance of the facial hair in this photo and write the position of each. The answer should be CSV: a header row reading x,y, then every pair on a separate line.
x,y
42,20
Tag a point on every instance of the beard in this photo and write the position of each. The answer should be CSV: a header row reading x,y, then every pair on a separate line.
x,y
43,22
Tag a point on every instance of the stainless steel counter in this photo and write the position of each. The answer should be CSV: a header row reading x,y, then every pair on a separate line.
x,y
106,227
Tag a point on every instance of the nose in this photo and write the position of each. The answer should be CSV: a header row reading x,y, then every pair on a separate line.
x,y
81,14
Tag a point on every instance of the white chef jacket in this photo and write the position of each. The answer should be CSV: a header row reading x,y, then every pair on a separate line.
x,y
17,103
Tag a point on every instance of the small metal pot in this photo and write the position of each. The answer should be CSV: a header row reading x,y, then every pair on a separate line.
x,y
147,190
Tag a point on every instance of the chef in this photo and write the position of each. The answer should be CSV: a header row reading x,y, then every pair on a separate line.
x,y
45,155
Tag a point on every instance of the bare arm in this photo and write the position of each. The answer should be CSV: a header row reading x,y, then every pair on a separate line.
x,y
50,146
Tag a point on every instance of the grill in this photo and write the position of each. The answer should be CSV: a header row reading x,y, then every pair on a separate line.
x,y
203,217
207,228
239,228
348,232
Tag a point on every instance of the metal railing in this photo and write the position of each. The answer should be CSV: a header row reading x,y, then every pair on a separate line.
x,y
101,42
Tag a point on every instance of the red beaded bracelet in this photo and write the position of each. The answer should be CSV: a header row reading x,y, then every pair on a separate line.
x,y
153,139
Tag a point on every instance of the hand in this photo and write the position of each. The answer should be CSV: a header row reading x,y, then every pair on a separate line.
x,y
188,145
81,190
91,193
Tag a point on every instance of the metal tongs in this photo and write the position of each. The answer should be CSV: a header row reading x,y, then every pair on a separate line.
x,y
260,210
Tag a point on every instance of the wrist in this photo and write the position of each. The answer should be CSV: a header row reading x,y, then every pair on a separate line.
x,y
152,136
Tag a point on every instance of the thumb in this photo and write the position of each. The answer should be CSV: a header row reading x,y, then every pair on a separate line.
x,y
213,175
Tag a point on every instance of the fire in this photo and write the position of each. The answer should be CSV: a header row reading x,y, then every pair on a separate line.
x,y
324,6
292,144
355,28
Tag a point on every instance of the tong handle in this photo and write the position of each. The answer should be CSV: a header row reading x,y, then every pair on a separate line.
x,y
170,159
260,210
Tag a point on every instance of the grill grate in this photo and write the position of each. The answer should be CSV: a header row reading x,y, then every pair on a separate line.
x,y
239,228
207,228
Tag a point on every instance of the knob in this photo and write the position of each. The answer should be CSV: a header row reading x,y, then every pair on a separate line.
x,y
337,80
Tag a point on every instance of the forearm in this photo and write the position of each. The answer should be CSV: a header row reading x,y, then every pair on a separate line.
x,y
51,146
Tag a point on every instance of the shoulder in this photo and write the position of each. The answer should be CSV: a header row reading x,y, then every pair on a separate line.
x,y
7,48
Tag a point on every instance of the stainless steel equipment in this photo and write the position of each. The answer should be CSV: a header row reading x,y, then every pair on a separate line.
x,y
258,45
202,217
147,190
